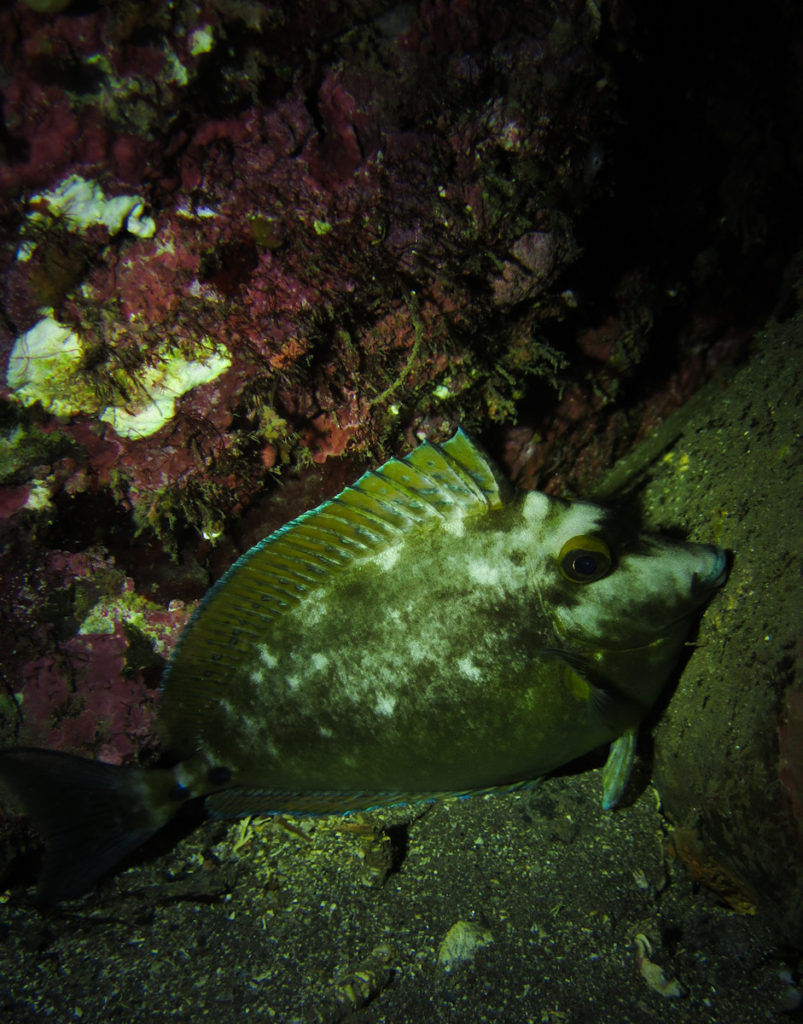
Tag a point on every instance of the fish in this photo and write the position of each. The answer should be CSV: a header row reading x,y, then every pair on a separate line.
x,y
430,631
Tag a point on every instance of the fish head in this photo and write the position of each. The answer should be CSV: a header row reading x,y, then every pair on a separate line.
x,y
620,601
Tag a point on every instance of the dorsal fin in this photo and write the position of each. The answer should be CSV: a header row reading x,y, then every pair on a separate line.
x,y
432,484
471,460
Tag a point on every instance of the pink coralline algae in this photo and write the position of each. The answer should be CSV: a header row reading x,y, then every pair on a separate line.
x,y
94,690
12,499
534,259
82,700
295,206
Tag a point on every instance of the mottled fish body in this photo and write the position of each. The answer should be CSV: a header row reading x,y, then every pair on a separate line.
x,y
426,632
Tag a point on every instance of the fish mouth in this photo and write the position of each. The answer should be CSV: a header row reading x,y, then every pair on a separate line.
x,y
703,583
584,657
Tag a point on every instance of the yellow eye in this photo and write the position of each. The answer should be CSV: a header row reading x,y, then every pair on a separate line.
x,y
585,559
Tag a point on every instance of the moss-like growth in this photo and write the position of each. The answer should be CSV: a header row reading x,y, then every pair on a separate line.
x,y
24,445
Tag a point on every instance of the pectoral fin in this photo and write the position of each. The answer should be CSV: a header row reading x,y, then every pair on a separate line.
x,y
607,703
617,768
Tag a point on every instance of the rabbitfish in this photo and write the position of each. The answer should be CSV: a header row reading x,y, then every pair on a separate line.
x,y
426,632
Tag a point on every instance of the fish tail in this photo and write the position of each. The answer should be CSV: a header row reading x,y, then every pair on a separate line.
x,y
88,814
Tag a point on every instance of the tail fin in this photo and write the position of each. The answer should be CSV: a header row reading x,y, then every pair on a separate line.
x,y
89,814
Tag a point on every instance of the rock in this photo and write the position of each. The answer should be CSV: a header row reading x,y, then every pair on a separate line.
x,y
461,943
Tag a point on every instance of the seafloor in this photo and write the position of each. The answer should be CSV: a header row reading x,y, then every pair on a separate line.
x,y
576,914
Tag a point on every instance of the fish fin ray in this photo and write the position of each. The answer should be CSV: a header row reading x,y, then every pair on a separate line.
x,y
474,463
241,802
404,495
88,814
618,767
244,801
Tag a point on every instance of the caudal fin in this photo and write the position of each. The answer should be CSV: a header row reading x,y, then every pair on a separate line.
x,y
89,814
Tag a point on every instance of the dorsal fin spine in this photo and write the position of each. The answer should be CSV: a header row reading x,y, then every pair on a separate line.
x,y
366,522
432,484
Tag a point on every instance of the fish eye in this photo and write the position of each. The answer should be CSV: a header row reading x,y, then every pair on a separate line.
x,y
585,559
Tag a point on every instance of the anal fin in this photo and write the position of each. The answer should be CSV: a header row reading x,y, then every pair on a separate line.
x,y
241,801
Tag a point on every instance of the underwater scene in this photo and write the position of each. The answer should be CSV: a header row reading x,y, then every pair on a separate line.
x,y
401,512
